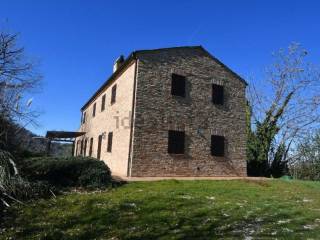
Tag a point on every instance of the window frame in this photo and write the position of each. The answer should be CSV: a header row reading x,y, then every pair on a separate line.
x,y
110,141
174,146
175,85
217,94
219,152
99,146
103,102
113,94
94,107
84,116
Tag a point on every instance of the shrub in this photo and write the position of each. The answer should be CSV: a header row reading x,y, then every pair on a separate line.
x,y
13,187
306,162
306,171
68,171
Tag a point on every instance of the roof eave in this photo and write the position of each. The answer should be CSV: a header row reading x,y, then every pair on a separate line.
x,y
225,66
131,57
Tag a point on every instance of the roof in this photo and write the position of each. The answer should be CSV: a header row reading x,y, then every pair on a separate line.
x,y
135,55
63,134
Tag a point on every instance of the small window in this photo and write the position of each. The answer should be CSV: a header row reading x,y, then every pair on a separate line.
x,y
217,146
84,117
99,147
176,142
103,103
178,85
110,136
217,94
90,147
113,94
94,110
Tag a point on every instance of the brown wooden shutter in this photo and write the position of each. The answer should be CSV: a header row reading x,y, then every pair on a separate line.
x,y
94,110
178,85
217,94
113,94
84,117
103,103
176,142
217,145
110,136
99,147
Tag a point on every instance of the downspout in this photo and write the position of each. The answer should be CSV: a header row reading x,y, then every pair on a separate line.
x,y
132,117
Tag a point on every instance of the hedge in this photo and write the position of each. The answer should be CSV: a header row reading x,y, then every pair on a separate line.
x,y
68,171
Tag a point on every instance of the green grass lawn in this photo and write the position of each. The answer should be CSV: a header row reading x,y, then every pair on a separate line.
x,y
175,210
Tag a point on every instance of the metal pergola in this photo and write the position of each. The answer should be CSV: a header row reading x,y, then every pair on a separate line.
x,y
62,136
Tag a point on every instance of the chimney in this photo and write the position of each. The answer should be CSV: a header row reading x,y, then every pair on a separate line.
x,y
118,63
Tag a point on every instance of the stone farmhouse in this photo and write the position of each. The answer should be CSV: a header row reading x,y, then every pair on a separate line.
x,y
167,112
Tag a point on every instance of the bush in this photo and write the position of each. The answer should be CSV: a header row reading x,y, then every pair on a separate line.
x,y
306,171
15,188
68,171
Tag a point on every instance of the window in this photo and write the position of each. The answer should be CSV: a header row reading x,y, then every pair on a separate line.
x,y
94,110
103,103
85,147
110,136
90,148
176,142
217,146
99,147
178,85
217,94
113,94
84,117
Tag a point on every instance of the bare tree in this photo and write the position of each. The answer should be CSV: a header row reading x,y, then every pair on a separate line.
x,y
287,107
18,77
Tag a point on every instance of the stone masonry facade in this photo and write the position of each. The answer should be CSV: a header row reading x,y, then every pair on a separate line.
x,y
154,111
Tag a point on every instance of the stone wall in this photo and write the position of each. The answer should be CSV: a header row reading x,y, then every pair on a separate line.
x,y
157,111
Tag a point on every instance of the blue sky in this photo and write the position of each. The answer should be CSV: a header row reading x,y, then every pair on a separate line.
x,y
78,41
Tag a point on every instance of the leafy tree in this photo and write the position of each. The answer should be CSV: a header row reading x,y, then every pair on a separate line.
x,y
279,165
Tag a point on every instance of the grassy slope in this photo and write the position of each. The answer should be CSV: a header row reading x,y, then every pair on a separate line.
x,y
177,210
